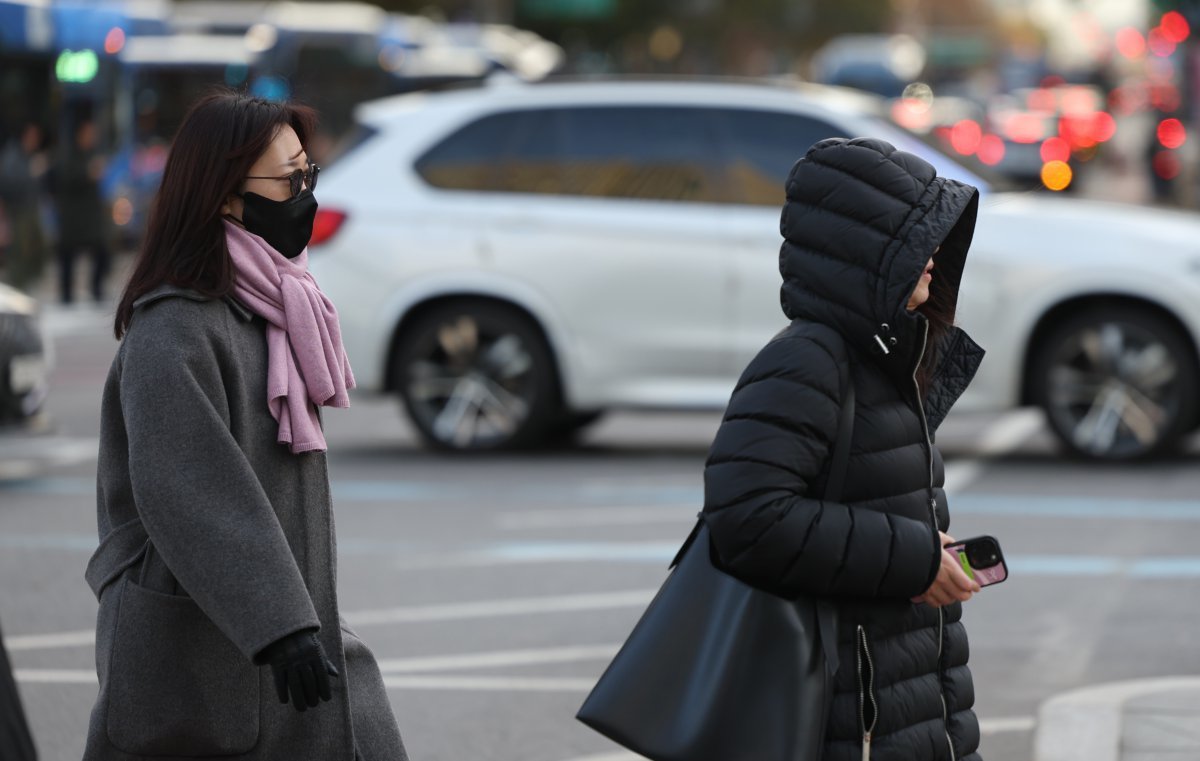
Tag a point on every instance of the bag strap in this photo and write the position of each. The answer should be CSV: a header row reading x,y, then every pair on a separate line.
x,y
840,458
838,462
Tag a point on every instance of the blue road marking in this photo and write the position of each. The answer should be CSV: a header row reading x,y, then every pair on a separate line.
x,y
660,553
74,542
1166,568
50,487
1020,566
399,491
1074,507
1064,565
347,491
640,495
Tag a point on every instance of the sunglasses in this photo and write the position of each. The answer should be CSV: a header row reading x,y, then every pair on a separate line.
x,y
297,179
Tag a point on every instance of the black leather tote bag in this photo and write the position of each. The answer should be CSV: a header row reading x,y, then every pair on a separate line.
x,y
718,670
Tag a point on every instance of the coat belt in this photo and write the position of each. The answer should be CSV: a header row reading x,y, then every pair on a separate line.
x,y
124,546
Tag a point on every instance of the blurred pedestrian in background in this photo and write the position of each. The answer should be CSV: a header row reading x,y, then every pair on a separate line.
x,y
22,169
83,218
868,307
217,554
16,743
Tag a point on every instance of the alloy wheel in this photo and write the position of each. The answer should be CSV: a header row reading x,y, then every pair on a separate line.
x,y
471,384
1113,390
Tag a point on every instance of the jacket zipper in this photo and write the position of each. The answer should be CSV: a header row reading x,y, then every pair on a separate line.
x,y
933,518
866,691
941,689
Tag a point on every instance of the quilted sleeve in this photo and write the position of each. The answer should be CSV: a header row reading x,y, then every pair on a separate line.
x,y
767,526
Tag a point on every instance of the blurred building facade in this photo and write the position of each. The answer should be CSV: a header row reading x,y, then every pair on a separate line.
x,y
132,67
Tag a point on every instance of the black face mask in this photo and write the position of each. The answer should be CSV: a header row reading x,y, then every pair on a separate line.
x,y
285,225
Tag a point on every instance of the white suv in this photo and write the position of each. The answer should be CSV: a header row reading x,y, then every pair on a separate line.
x,y
515,259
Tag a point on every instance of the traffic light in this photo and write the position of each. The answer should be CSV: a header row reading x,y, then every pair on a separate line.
x,y
76,66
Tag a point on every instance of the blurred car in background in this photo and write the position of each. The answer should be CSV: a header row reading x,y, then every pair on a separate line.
x,y
1061,122
513,260
882,64
23,357
1043,136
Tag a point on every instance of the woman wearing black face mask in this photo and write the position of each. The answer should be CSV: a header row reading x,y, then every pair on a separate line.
x,y
285,223
218,633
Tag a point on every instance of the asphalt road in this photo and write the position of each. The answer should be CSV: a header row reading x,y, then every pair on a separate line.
x,y
494,589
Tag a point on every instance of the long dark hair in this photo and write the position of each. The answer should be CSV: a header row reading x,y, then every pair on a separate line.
x,y
939,313
221,137
940,308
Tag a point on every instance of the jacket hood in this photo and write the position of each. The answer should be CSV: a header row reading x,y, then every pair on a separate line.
x,y
861,221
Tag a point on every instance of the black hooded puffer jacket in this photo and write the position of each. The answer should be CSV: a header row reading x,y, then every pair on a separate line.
x,y
861,221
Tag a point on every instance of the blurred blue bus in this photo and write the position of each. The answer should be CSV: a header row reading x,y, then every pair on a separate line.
x,y
158,79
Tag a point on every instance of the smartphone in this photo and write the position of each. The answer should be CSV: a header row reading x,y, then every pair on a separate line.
x,y
982,559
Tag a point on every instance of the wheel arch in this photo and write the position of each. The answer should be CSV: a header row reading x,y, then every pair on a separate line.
x,y
1074,304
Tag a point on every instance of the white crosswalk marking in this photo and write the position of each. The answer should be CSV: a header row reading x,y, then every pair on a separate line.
x,y
498,659
494,608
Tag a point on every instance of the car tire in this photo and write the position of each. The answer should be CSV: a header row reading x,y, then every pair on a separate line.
x,y
1116,383
18,338
477,376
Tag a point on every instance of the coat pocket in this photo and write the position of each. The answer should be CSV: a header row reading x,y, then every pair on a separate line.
x,y
177,686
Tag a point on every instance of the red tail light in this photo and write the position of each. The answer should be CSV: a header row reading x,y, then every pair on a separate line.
x,y
326,225
1175,27
1171,133
966,136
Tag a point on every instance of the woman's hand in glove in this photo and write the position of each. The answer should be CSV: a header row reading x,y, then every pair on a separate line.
x,y
301,669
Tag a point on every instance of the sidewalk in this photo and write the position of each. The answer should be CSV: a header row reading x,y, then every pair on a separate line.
x,y
31,448
46,289
1143,720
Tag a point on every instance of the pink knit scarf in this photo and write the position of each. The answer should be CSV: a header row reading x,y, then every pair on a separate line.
x,y
306,363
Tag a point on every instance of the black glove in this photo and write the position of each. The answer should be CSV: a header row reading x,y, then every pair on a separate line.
x,y
301,669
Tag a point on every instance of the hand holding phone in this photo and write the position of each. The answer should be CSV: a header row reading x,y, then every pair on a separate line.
x,y
981,559
951,583
966,567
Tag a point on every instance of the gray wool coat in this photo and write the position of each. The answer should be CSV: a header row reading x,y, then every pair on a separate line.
x,y
215,542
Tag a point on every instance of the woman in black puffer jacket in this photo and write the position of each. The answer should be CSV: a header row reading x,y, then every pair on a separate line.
x,y
862,224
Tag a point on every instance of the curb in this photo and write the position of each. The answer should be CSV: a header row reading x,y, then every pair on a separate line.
x,y
1087,724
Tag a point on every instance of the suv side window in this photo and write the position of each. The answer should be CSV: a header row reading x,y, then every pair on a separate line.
x,y
532,157
628,152
512,151
762,146
641,152
469,158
